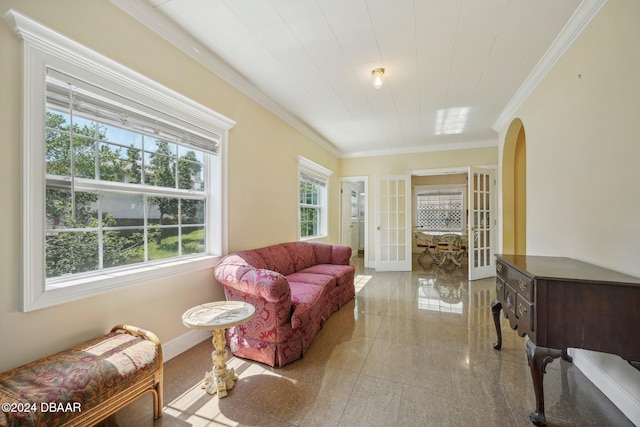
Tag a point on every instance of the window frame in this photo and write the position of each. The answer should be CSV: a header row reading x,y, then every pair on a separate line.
x,y
309,167
45,49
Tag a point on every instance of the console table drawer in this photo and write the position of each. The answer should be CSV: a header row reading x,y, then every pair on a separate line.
x,y
510,299
521,283
525,313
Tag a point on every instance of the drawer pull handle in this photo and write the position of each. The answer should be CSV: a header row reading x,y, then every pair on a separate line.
x,y
499,268
522,284
522,310
499,286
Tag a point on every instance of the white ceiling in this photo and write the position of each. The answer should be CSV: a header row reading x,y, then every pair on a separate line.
x,y
452,66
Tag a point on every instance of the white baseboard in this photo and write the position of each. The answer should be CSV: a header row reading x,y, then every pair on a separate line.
x,y
614,376
184,342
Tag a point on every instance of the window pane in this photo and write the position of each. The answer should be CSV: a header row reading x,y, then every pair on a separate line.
x,y
57,157
190,173
309,221
122,210
132,168
71,252
83,126
193,240
60,212
163,210
192,211
191,154
163,243
160,170
58,120
112,161
121,136
123,247
84,157
153,145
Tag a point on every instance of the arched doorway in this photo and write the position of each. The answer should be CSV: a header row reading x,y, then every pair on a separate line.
x,y
514,190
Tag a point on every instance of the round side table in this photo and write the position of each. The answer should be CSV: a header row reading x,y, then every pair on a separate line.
x,y
218,316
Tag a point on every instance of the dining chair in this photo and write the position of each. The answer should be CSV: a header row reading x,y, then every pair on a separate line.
x,y
448,247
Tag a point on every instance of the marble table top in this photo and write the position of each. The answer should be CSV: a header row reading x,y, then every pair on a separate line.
x,y
218,315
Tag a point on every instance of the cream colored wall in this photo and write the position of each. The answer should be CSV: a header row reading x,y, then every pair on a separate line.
x,y
582,130
405,164
262,181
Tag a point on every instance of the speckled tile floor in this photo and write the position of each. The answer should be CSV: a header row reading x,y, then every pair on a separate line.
x,y
412,349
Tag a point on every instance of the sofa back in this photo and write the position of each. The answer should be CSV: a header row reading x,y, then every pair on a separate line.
x,y
287,258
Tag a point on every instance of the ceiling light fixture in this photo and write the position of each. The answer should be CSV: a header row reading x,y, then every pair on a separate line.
x,y
378,74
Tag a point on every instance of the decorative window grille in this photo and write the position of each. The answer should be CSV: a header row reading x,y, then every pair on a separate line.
x,y
441,211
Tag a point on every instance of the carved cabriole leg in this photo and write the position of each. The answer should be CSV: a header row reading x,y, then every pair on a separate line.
x,y
496,307
538,358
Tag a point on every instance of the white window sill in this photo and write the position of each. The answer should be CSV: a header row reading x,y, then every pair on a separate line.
x,y
71,290
314,239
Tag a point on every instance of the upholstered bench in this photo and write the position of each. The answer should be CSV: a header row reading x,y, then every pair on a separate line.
x,y
86,383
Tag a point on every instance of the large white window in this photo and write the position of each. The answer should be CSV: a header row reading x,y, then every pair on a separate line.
x,y
123,178
313,207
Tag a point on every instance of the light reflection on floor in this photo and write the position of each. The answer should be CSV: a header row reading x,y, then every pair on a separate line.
x,y
411,349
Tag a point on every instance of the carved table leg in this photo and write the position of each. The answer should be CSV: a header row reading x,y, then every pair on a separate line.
x,y
220,379
538,358
496,307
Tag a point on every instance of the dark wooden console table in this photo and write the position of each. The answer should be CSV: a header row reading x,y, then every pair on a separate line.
x,y
560,303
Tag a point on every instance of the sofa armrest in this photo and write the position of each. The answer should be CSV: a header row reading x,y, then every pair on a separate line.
x,y
266,284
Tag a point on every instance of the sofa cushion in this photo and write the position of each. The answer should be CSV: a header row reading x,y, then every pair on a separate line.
x,y
342,273
302,254
323,253
306,302
322,280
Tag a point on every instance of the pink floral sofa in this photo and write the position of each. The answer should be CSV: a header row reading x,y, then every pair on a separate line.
x,y
294,287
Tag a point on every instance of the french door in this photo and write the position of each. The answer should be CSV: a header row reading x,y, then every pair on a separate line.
x,y
481,223
393,223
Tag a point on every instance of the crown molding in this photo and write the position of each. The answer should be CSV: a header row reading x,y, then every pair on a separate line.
x,y
158,22
423,149
580,19
101,69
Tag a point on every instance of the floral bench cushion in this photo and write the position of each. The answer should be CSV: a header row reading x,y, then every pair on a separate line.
x,y
58,388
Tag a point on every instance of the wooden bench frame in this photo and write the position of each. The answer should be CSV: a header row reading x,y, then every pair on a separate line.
x,y
149,383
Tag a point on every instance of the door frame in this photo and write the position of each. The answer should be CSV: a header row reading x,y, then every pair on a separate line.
x,y
365,180
465,170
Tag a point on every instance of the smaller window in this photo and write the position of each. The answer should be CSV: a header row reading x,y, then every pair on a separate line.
x,y
312,201
441,210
